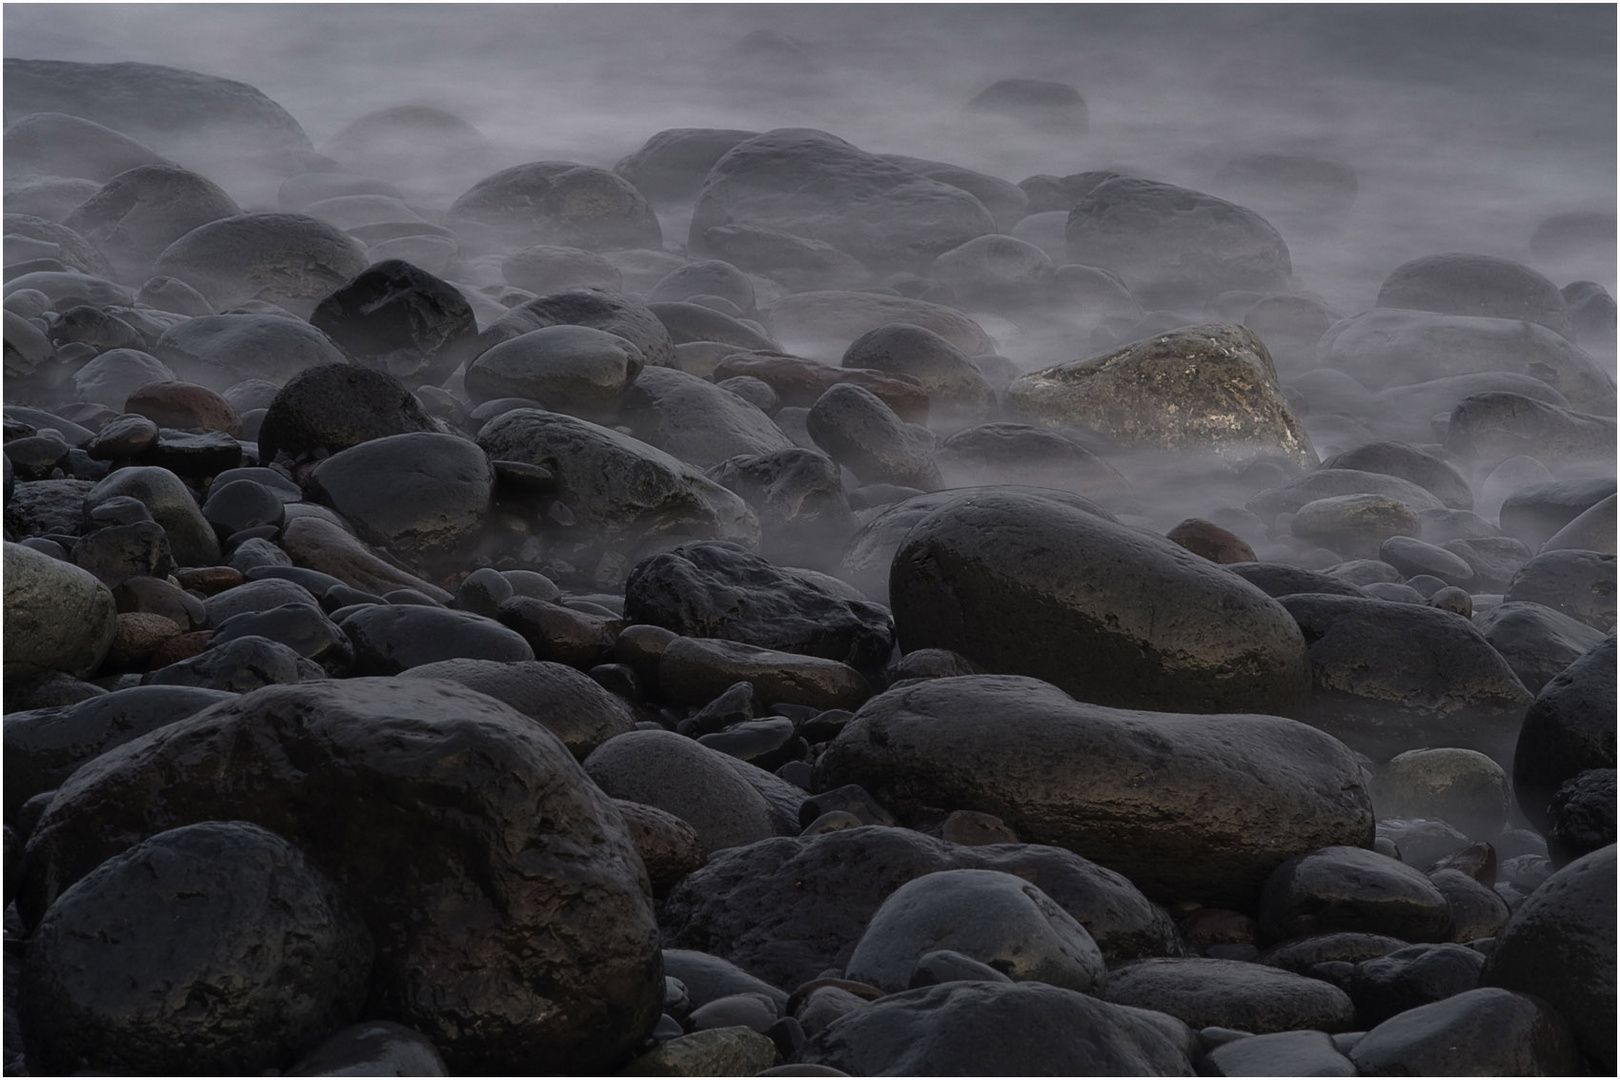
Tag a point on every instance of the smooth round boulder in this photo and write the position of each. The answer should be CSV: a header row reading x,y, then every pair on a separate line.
x,y
1462,787
598,309
140,212
952,382
1062,772
696,421
1344,888
989,916
1023,584
1203,992
1537,641
1581,584
1477,285
860,432
977,1028
1559,945
1406,978
389,639
1480,1032
59,145
466,834
557,202
334,406
569,368
1001,273
798,495
1051,107
291,260
1003,453
1569,728
671,165
549,268
218,351
58,617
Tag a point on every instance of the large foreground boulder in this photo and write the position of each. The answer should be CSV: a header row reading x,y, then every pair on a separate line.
x,y
1024,584
1200,388
58,617
1182,805
511,913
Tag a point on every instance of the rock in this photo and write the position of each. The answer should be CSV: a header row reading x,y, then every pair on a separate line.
x,y
669,847
1409,463
572,368
301,627
1387,676
677,775
218,351
185,114
708,589
140,212
1493,427
1592,530
1536,512
987,915
1486,1031
1583,816
597,309
566,702
1408,412
422,495
317,544
1002,273
407,137
813,185
1210,388
693,671
1025,454
800,383
1463,787
557,202
671,165
1203,992
546,268
1171,245
174,404
627,498
724,1051
706,277
708,978
58,617
1580,584
580,639
1495,560
389,639
1354,525
415,837
1344,888
952,382
333,406
372,1048
1569,728
1281,579
1282,1053
1006,201
952,589
1413,557
238,665
823,324
1197,833
1390,347
171,505
1407,978
1476,285
291,260
1051,107
54,144
970,1028
1537,641
793,262
696,421
269,956
798,496
1297,185
863,434
689,322
400,319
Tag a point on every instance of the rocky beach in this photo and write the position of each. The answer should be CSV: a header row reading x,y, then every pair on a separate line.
x,y
809,540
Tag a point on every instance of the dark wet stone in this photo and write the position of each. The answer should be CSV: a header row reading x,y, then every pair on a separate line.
x,y
58,617
291,260
1408,462
768,743
598,309
1409,977
1414,557
1580,584
801,383
260,594
696,421
218,351
798,496
546,268
948,965
1219,379
114,981
725,1051
140,212
35,456
1348,947
317,544
1535,513
334,406
792,261
173,404
242,504
513,795
1582,813
669,847
1485,1032
1002,452
990,916
977,576
397,318
1389,675
565,701
1351,889
43,747
863,434
580,639
238,665
1537,641
1206,539
571,368
969,1028
707,277
1282,1053
1593,530
1394,351
1477,285
557,202
694,671
1570,728
1281,579
1477,910
1493,559
1492,427
813,185
300,627
117,552
171,505
688,322
903,746
952,382
709,978
1204,992
196,455
670,166
372,1048
389,639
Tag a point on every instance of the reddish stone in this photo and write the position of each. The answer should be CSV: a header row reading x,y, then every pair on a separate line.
x,y
185,406
181,647
1211,541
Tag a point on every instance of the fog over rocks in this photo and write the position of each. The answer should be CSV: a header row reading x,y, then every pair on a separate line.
x,y
1011,538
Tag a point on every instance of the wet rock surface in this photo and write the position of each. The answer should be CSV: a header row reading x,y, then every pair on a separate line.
x,y
1088,576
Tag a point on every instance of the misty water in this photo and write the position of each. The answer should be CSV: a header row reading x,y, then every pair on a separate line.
x,y
1424,130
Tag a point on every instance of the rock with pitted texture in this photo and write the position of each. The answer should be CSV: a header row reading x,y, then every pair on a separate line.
x,y
1568,729
397,318
509,908
291,260
1481,1032
1210,824
57,616
334,406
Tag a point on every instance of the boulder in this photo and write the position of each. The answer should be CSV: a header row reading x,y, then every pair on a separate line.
x,y
557,202
598,309
389,638
397,318
696,421
1002,452
1202,992
1580,584
548,268
1490,428
334,406
799,383
1537,641
1232,795
58,618
1568,729
218,351
1005,200
952,382
510,911
170,503
822,325
671,165
407,139
868,438
1204,388
1483,1032
798,495
1351,889
1477,285
55,144
140,212
291,260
